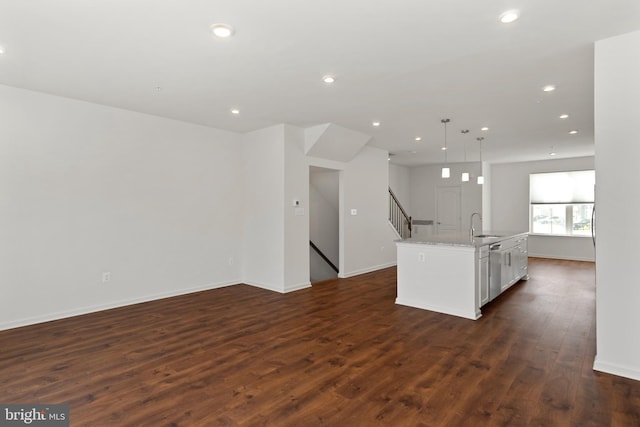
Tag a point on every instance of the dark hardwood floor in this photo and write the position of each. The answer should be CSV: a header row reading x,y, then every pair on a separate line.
x,y
338,354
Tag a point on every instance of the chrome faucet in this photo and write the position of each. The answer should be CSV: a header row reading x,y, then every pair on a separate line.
x,y
472,230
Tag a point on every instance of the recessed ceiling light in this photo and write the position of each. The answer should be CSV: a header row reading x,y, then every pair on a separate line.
x,y
484,128
573,132
509,16
549,88
564,116
222,30
418,138
376,124
329,79
1,50
444,148
235,111
552,153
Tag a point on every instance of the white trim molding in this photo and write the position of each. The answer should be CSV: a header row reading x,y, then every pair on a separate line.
x,y
367,270
614,369
96,308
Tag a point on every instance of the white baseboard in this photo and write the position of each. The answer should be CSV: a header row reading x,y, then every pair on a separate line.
x,y
439,309
615,369
278,289
297,287
265,286
367,270
532,255
101,307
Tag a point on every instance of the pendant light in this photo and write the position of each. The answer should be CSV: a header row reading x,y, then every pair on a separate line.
x,y
480,177
465,175
446,172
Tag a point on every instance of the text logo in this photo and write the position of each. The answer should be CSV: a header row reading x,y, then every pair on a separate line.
x,y
34,415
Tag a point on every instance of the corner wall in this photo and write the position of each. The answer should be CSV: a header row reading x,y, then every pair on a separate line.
x,y
87,189
296,219
617,135
367,239
263,216
165,207
487,214
276,243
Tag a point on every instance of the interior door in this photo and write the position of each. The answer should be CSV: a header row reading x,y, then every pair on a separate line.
x,y
448,209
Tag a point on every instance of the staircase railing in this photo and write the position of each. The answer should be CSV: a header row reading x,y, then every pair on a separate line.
x,y
323,256
400,220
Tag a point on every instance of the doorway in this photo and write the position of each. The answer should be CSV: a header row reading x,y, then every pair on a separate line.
x,y
324,223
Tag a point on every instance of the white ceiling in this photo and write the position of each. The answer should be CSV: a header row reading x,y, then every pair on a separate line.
x,y
406,63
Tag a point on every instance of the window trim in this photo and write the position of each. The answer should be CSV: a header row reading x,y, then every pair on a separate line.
x,y
568,231
568,228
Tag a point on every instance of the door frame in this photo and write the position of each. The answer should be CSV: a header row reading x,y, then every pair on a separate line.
x,y
439,188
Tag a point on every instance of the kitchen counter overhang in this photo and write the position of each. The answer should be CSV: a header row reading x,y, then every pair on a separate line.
x,y
464,239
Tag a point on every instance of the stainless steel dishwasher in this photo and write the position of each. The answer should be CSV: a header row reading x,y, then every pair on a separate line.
x,y
495,270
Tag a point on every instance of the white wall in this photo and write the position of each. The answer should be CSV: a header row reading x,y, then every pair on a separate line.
x,y
263,192
296,220
426,179
276,172
487,214
166,207
368,240
86,189
617,136
510,206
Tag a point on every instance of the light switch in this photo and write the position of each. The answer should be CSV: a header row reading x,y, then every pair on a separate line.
x,y
354,211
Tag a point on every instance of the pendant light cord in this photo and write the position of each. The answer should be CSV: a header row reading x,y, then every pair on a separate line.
x,y
480,138
445,121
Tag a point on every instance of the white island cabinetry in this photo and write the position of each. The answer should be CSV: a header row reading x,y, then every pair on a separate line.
x,y
511,261
452,273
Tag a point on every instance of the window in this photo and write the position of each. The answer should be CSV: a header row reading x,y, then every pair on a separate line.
x,y
561,203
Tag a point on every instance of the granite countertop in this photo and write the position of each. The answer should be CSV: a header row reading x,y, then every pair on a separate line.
x,y
463,239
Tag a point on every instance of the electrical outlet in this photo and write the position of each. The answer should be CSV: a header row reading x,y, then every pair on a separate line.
x,y
421,257
231,261
106,276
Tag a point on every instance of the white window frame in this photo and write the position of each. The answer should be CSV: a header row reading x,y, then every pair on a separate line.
x,y
568,224
569,206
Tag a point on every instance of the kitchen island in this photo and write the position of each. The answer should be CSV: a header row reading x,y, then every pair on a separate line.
x,y
456,274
